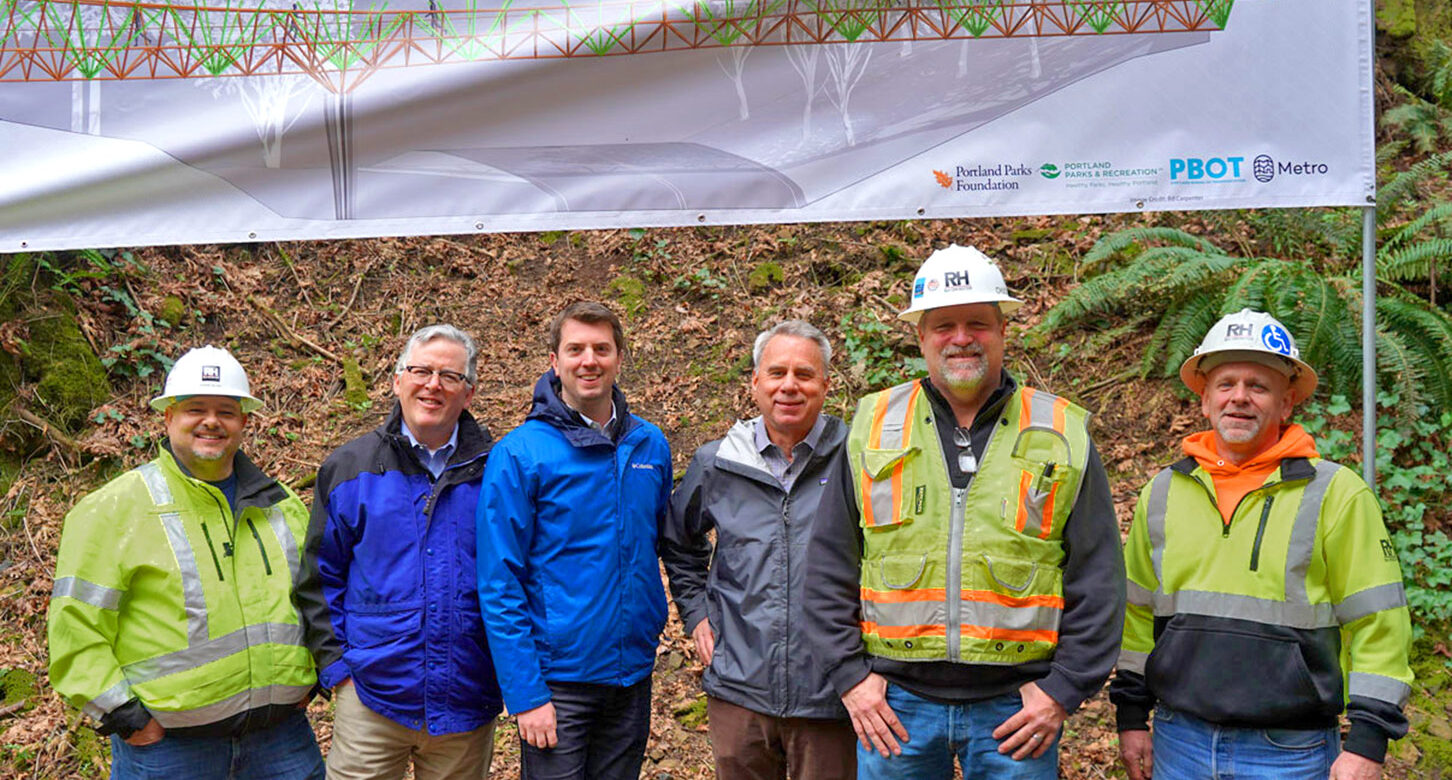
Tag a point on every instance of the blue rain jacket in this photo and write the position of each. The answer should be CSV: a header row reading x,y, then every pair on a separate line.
x,y
394,550
569,583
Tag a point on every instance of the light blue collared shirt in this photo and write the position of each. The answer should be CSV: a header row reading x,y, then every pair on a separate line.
x,y
433,460
784,470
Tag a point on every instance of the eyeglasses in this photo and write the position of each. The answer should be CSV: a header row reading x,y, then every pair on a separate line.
x,y
967,461
451,380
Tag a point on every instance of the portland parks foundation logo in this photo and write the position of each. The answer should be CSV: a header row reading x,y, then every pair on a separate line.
x,y
981,177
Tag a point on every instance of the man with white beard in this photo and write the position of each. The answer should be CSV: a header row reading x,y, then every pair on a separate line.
x,y
964,585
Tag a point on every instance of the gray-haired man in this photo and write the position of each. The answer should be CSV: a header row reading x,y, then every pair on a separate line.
x,y
772,711
399,638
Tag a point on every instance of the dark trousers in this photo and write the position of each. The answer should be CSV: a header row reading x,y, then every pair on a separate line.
x,y
602,730
750,746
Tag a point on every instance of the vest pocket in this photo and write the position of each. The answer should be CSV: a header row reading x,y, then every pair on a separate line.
x,y
886,499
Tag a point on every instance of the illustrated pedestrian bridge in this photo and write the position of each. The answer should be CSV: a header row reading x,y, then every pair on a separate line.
x,y
81,40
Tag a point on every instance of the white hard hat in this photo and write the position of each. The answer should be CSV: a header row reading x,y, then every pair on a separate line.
x,y
207,371
957,275
1249,336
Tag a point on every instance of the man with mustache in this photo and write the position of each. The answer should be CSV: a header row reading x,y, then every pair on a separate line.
x,y
966,581
771,711
172,619
1260,578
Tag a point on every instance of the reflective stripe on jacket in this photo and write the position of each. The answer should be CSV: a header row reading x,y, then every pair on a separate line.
x,y
162,595
750,584
998,541
1274,619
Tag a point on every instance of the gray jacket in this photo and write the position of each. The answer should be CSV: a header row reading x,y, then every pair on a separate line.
x,y
751,588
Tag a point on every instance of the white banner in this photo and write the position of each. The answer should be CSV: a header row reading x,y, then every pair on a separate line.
x,y
127,124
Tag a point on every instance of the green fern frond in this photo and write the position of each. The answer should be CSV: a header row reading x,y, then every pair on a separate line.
x,y
1415,261
1438,215
1403,184
1428,332
1250,289
1396,366
1119,241
1187,328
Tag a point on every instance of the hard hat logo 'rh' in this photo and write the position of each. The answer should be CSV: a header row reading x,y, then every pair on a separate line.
x,y
211,373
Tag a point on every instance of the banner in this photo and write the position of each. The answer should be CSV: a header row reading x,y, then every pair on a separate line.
x,y
137,123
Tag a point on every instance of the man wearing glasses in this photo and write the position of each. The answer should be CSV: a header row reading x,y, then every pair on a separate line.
x,y
568,576
399,639
964,586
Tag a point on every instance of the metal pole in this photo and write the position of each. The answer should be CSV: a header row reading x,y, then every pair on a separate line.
x,y
1368,345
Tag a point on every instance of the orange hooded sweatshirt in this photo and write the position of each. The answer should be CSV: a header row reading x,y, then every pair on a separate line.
x,y
1232,482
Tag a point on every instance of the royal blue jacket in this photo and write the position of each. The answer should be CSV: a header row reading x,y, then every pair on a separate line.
x,y
394,550
568,575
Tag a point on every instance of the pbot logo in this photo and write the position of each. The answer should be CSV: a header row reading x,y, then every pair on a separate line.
x,y
1263,168
1197,169
211,373
1276,339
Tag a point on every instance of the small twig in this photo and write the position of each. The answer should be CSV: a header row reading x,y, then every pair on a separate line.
x,y
287,261
12,707
47,428
356,286
1103,383
294,336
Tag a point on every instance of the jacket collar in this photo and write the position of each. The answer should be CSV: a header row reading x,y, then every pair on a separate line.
x,y
474,439
548,407
253,487
738,452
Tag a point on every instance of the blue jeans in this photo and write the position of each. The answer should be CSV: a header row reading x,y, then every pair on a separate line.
x,y
1187,748
602,732
937,732
287,751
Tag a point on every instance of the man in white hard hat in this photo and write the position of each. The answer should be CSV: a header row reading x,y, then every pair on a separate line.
x,y
172,620
399,640
1264,595
966,583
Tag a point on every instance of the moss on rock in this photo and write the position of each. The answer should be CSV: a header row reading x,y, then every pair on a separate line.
x,y
71,380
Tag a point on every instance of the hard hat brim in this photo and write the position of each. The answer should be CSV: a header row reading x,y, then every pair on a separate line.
x,y
914,313
249,404
1304,382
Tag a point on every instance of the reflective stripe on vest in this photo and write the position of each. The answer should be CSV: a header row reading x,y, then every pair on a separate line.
x,y
213,650
236,704
98,596
891,430
1294,611
1044,411
1379,687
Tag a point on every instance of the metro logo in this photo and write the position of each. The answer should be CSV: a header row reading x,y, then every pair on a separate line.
x,y
1197,169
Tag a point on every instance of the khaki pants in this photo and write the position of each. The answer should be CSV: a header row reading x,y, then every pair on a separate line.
x,y
751,746
368,746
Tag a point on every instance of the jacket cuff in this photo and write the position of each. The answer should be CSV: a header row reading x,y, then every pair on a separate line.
x,y
848,673
1131,717
333,673
125,720
1366,741
1059,689
690,617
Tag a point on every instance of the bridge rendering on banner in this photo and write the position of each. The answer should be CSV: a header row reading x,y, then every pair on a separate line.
x,y
107,40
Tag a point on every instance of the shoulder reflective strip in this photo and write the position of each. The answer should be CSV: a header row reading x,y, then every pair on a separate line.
x,y
909,409
1229,605
88,592
232,705
1061,414
893,423
1132,661
1026,406
214,650
872,510
1371,601
195,600
155,483
1042,410
1303,533
1155,509
1379,687
1139,595
108,700
285,539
